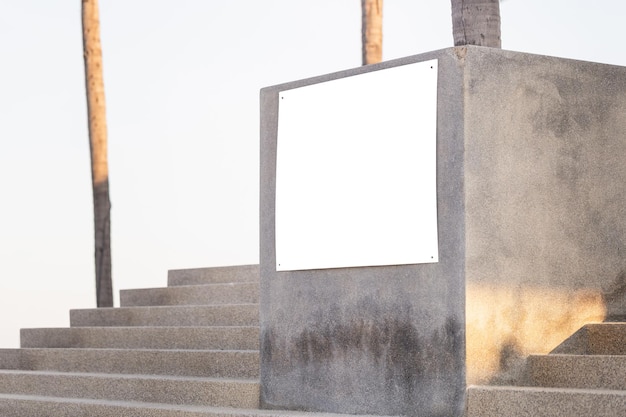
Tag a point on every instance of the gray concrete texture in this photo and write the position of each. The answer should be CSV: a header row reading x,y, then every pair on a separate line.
x,y
198,363
23,406
143,388
596,339
378,340
531,194
215,315
206,294
224,274
577,371
217,337
544,402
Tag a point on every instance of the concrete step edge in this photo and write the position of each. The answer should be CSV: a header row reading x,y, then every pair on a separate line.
x,y
181,362
508,401
234,273
241,314
131,376
189,411
220,392
210,294
569,391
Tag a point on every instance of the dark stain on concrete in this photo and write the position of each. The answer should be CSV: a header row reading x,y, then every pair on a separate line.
x,y
373,361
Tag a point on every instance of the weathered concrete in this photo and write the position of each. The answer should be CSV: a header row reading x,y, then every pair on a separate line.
x,y
379,340
544,182
531,206
595,339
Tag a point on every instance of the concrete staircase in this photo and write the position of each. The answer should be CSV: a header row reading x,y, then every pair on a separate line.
x,y
584,376
191,349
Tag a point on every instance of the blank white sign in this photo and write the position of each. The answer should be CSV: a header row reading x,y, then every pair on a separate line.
x,y
356,171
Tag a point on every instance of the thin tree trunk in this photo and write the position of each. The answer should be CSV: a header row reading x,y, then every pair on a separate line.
x,y
372,31
98,145
476,22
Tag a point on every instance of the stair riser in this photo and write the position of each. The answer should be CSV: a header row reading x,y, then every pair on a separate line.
x,y
231,315
596,339
18,406
241,293
607,339
211,393
577,371
23,407
234,338
228,364
500,402
199,276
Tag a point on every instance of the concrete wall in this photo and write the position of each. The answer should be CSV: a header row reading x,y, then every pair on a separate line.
x,y
378,340
545,192
531,205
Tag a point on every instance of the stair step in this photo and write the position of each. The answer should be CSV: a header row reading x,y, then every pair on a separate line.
x,y
215,315
577,371
218,337
36,406
596,339
492,401
200,363
208,294
162,389
225,274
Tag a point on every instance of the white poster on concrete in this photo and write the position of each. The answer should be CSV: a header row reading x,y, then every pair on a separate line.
x,y
356,171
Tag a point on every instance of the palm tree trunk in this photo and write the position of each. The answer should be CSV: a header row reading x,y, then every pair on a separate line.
x,y
372,31
476,22
98,144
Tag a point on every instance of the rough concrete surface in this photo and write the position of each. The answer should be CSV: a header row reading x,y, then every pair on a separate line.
x,y
531,202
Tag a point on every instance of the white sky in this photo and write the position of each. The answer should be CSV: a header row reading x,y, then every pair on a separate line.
x,y
182,81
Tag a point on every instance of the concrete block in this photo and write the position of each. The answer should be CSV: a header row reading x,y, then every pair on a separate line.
x,y
199,276
228,293
218,337
530,201
217,315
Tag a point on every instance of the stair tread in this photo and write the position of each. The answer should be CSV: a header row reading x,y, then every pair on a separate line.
x,y
195,410
127,376
511,388
236,273
205,294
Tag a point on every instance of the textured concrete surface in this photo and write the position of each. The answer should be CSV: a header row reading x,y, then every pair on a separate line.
x,y
544,402
544,202
380,340
216,315
145,388
531,202
577,371
205,363
218,337
596,339
226,293
26,406
198,276
140,370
